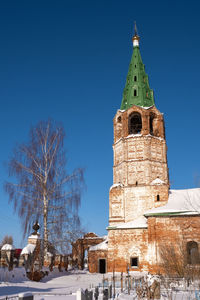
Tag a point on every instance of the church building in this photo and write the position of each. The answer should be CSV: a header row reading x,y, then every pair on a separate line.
x,y
144,214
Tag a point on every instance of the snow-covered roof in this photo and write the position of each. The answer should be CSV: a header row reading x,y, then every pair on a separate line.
x,y
28,249
7,247
101,246
147,107
145,136
155,137
157,181
140,222
181,202
25,295
92,238
133,135
34,236
91,235
116,185
144,107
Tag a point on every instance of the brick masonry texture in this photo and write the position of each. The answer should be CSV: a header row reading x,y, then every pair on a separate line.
x,y
93,260
170,231
82,245
124,244
138,160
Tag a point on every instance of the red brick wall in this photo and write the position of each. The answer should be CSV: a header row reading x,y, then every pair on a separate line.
x,y
138,161
124,244
93,259
170,231
121,128
126,204
146,243
82,244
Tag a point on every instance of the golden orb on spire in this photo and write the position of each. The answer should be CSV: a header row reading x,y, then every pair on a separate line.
x,y
136,37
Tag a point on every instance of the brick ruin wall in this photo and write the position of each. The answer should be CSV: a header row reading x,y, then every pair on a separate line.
x,y
81,245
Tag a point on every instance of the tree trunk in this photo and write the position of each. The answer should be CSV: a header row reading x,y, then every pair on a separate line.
x,y
45,213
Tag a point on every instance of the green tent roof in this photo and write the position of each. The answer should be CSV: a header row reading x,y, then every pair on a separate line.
x,y
137,90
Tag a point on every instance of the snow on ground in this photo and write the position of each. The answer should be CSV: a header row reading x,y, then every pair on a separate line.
x,y
56,283
64,285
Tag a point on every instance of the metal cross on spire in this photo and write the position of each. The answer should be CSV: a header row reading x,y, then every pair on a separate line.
x,y
135,29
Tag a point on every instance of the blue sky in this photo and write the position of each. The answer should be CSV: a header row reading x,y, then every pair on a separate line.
x,y
68,60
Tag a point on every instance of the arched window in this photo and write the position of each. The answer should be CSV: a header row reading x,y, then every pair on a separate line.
x,y
151,123
135,92
135,123
135,78
119,119
158,198
192,253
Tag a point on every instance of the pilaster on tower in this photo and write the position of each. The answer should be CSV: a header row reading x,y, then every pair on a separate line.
x,y
140,171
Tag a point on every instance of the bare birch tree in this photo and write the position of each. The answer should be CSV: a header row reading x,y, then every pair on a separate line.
x,y
43,190
175,261
8,239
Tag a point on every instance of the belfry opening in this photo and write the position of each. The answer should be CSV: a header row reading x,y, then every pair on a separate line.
x,y
135,123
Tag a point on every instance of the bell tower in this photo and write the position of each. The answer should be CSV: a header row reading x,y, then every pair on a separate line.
x,y
140,171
